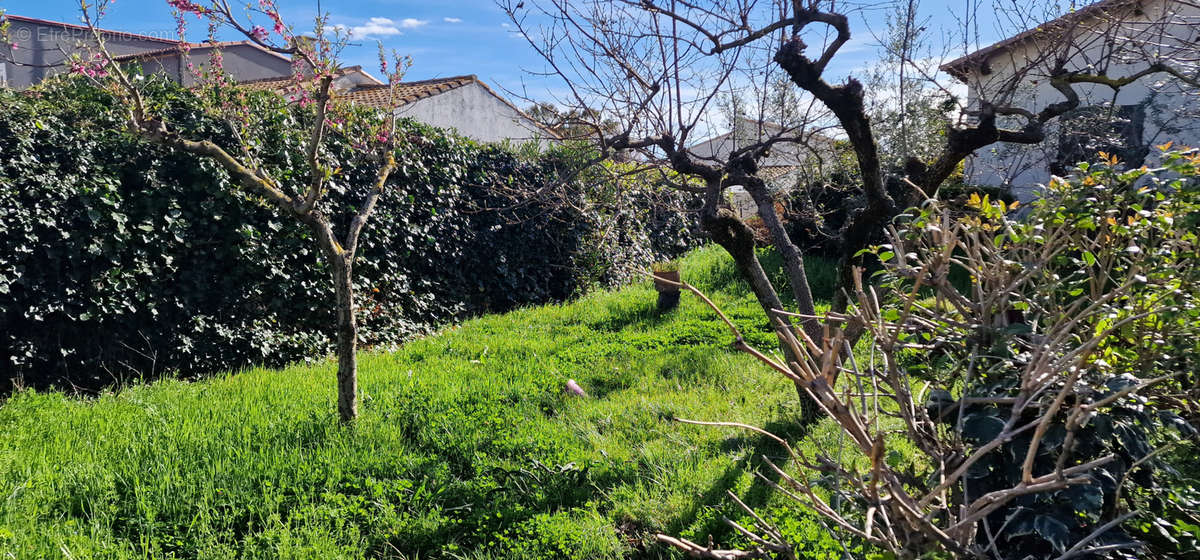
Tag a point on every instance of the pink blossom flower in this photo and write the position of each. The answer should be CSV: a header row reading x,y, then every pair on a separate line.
x,y
274,15
259,33
188,7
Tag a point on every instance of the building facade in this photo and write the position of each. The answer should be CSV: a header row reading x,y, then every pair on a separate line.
x,y
45,48
1117,39
461,103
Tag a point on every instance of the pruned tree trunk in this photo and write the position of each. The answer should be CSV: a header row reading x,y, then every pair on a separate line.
x,y
846,103
738,240
793,259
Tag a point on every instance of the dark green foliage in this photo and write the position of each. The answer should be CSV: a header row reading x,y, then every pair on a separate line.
x,y
1126,243
818,207
121,259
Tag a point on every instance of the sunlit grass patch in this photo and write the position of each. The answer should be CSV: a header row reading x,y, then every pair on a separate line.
x,y
467,445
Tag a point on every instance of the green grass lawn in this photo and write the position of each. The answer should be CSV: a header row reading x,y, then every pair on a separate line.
x,y
467,446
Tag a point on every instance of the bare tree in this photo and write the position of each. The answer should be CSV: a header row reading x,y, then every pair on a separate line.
x,y
315,66
1033,392
659,67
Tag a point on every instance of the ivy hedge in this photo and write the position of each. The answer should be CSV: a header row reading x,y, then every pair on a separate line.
x,y
122,260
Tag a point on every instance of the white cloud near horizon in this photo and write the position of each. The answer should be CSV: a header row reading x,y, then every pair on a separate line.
x,y
412,23
375,27
452,20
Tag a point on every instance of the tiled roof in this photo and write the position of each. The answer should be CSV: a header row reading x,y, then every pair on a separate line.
x,y
281,83
373,95
405,92
83,28
775,171
267,84
961,65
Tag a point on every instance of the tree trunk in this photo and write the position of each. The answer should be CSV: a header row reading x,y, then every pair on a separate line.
x,y
737,239
793,259
846,101
347,339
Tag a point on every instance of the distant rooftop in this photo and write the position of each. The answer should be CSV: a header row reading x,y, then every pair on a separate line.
x,y
13,17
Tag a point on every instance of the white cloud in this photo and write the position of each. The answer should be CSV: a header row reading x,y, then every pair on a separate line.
x,y
412,23
505,25
452,20
376,27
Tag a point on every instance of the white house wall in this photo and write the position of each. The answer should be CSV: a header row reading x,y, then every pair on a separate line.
x,y
241,62
475,113
1023,167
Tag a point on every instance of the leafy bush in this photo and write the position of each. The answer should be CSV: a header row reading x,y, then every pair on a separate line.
x,y
1039,407
820,205
123,259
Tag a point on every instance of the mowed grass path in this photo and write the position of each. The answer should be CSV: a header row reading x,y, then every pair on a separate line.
x,y
467,445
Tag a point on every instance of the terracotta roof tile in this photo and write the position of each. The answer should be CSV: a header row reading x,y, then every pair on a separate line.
x,y
267,84
280,83
775,171
178,48
406,92
373,95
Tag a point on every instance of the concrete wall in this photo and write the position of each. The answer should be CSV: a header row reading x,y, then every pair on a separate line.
x,y
46,49
241,62
1172,107
741,203
475,113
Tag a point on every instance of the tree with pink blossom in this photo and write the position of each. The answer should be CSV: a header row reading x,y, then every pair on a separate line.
x,y
315,67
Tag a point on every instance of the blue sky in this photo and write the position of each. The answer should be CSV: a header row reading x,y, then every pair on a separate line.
x,y
444,38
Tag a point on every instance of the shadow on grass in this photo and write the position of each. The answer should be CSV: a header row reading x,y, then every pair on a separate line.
x,y
756,497
642,314
722,276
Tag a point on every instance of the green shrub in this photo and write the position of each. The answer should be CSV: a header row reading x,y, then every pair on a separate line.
x,y
1106,266
1026,384
122,259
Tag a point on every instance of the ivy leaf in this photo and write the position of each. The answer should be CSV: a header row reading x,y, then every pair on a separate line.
x,y
982,427
1172,419
981,468
1087,499
1053,531
894,458
1019,522
940,401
